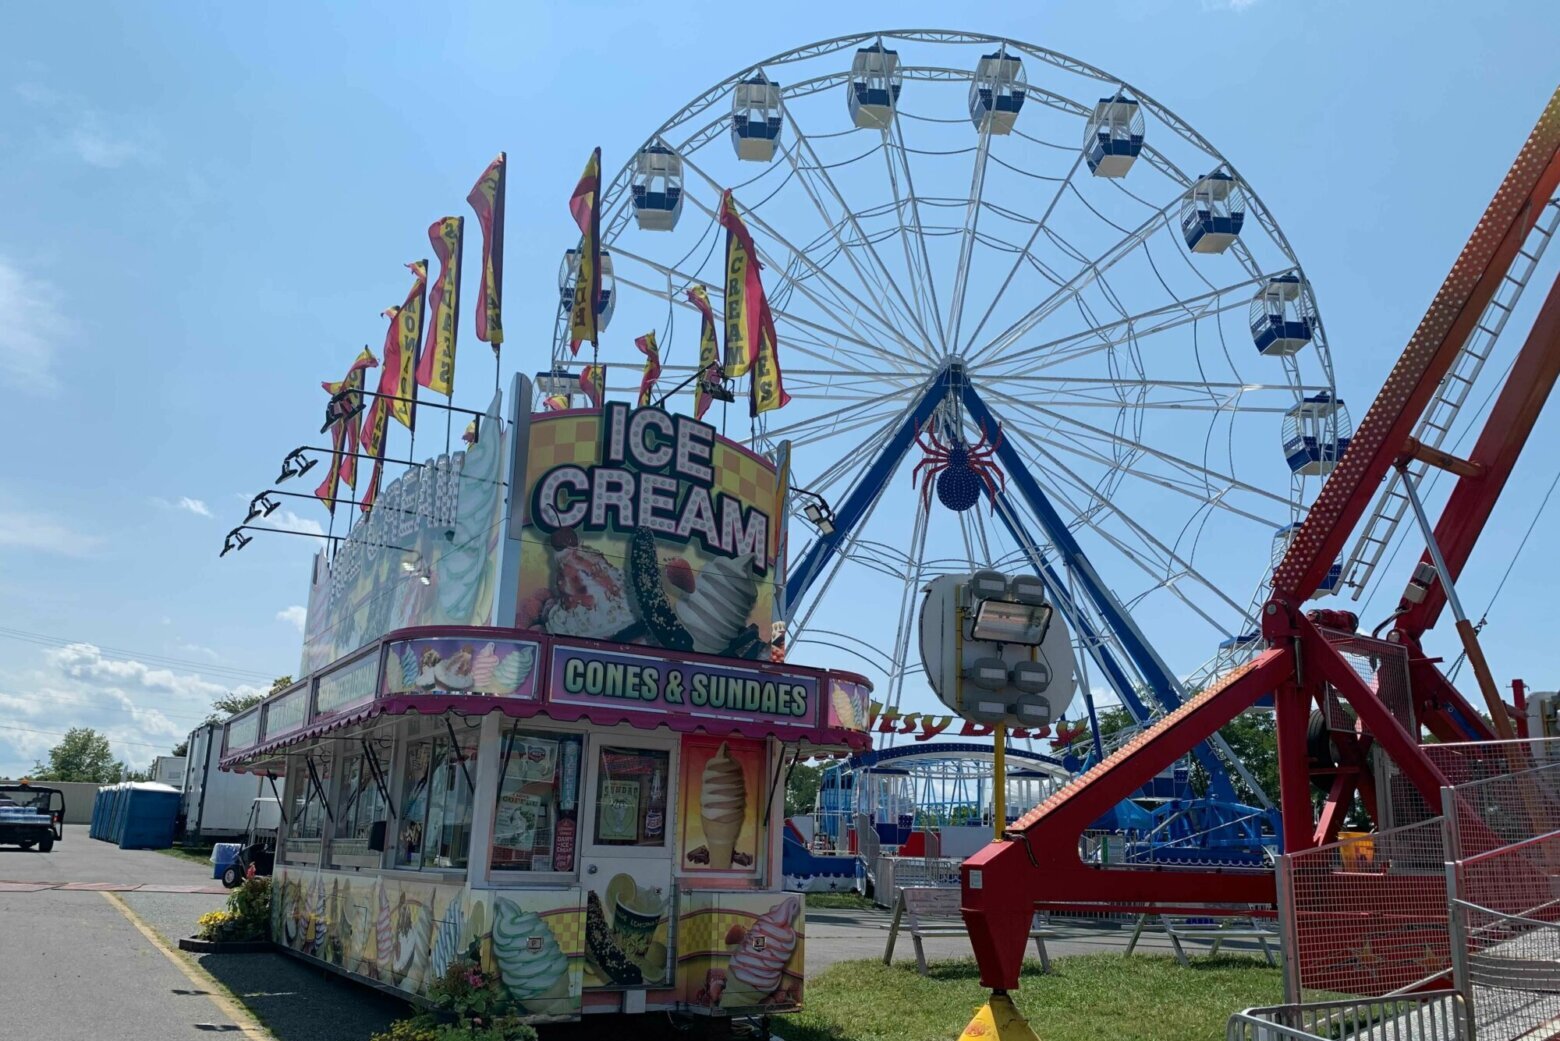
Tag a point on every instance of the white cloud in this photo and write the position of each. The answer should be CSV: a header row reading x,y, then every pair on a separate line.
x,y
144,710
287,520
80,129
294,616
196,506
33,325
45,534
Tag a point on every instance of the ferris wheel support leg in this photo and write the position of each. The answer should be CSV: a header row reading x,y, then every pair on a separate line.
x,y
1161,683
864,493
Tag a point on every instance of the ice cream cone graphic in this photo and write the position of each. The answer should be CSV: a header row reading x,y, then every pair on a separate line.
x,y
757,967
722,806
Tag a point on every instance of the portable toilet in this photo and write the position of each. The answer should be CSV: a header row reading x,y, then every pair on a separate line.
x,y
657,188
148,818
1281,539
1212,212
569,272
755,118
997,92
1113,137
873,88
1316,434
1281,317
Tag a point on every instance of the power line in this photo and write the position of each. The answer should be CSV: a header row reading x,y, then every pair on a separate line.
x,y
111,740
120,654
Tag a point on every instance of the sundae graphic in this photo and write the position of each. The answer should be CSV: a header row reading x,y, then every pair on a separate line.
x,y
455,672
589,596
530,962
716,612
849,704
756,968
722,808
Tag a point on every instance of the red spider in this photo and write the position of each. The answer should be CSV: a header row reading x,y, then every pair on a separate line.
x,y
960,470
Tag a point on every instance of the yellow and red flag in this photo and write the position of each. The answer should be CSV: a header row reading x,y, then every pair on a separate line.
x,y
709,351
652,353
750,326
742,304
402,339
346,406
585,207
436,367
593,381
344,431
375,421
555,403
487,200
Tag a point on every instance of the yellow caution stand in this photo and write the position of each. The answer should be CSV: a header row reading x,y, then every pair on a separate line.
x,y
998,1020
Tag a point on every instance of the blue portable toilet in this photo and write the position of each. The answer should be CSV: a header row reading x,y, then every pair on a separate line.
x,y
755,118
1113,138
657,187
1281,317
1212,213
147,817
1316,434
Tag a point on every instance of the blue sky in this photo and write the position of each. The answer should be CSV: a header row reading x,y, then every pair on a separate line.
x,y
206,209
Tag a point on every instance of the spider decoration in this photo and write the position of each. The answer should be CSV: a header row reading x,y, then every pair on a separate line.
x,y
960,470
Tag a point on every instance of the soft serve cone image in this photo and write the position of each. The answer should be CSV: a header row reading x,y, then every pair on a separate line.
x,y
722,806
532,965
717,610
757,967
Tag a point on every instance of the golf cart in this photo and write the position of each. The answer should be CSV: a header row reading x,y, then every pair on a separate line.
x,y
31,815
259,848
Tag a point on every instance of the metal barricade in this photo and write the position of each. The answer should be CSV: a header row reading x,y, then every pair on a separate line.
x,y
1440,1015
1367,915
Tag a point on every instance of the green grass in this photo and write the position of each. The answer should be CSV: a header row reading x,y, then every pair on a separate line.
x,y
197,854
1094,997
839,901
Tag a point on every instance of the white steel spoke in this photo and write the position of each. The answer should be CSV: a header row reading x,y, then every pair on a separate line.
x,y
887,283
961,275
1088,274
889,134
800,255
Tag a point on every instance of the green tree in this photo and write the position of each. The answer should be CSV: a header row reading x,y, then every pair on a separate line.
x,y
801,788
82,755
233,702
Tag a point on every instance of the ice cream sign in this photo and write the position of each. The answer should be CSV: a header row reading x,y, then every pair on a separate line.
x,y
648,528
639,683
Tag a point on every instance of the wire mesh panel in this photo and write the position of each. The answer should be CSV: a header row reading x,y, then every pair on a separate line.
x,y
1500,810
1466,761
1368,915
1507,920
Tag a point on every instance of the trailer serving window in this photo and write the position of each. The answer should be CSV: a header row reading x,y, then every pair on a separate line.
x,y
536,821
436,800
308,781
359,835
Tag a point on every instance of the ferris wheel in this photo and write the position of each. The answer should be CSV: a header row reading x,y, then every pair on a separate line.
x,y
1010,274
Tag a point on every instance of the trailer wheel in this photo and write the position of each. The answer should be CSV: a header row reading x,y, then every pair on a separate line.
x,y
230,876
46,844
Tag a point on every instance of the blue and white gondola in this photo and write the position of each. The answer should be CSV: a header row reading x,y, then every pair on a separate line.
x,y
1212,213
997,92
657,188
1113,137
873,88
1282,321
755,118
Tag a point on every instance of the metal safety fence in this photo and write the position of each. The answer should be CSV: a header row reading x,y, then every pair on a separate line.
x,y
1367,915
1429,1016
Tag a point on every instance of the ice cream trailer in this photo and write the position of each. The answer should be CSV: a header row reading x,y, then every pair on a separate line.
x,y
544,724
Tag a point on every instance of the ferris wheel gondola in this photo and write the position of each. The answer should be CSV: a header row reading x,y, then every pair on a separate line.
x,y
992,235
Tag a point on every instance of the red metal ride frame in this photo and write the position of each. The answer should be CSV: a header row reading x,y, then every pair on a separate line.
x,y
1041,862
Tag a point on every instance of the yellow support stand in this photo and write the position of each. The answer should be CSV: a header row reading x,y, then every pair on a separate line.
x,y
998,1020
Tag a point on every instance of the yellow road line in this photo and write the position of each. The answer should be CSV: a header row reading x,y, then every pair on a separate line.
x,y
248,1026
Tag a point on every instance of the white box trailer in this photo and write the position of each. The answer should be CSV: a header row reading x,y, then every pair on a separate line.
x,y
216,804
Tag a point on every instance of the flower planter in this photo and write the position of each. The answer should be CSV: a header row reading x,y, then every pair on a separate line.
x,y
196,946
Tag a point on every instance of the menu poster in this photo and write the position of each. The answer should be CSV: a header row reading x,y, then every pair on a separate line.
x,y
533,828
617,816
522,819
723,799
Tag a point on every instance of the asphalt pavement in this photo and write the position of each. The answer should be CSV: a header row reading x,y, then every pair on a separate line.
x,y
90,965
